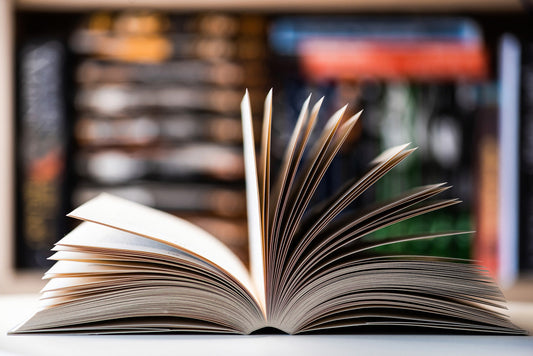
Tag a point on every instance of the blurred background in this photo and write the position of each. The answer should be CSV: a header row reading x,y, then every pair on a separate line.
x,y
141,99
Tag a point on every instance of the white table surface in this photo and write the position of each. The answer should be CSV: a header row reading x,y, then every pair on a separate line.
x,y
15,308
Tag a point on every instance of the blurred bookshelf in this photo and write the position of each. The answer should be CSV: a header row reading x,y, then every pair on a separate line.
x,y
120,125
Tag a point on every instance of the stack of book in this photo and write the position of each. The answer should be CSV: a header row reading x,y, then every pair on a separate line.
x,y
158,113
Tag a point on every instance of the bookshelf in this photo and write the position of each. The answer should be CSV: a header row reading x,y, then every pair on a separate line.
x,y
12,281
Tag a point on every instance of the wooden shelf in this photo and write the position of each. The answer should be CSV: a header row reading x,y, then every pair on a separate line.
x,y
278,5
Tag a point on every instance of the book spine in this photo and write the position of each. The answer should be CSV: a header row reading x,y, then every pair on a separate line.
x,y
188,161
287,33
526,160
142,130
42,140
222,73
352,59
509,78
486,242
115,99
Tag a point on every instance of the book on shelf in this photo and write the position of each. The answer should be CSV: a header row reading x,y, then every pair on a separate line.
x,y
130,268
525,163
288,32
42,149
509,137
195,160
145,129
486,244
326,58
192,71
154,37
113,99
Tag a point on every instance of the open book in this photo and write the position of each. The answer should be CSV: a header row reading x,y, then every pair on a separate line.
x,y
130,268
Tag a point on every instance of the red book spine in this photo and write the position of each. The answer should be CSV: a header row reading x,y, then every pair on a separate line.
x,y
347,59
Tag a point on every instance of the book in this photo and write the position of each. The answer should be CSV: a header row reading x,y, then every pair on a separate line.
x,y
114,99
130,268
143,130
352,59
193,71
288,32
525,199
488,170
206,160
509,142
42,150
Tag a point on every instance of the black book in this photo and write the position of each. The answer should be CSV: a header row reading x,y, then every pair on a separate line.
x,y
42,140
526,159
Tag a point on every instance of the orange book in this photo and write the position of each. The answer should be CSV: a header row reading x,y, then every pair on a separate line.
x,y
486,242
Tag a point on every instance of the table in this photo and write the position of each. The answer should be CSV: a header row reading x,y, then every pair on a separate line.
x,y
15,308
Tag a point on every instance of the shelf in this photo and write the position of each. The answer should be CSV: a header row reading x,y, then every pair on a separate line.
x,y
278,5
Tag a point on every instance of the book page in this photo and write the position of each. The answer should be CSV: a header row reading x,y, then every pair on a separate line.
x,y
264,174
255,240
141,220
291,162
89,236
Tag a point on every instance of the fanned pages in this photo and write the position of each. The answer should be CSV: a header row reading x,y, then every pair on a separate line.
x,y
254,202
130,268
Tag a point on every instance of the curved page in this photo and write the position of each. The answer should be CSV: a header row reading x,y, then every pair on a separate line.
x,y
255,238
159,226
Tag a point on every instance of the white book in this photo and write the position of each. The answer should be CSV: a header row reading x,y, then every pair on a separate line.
x,y
130,268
